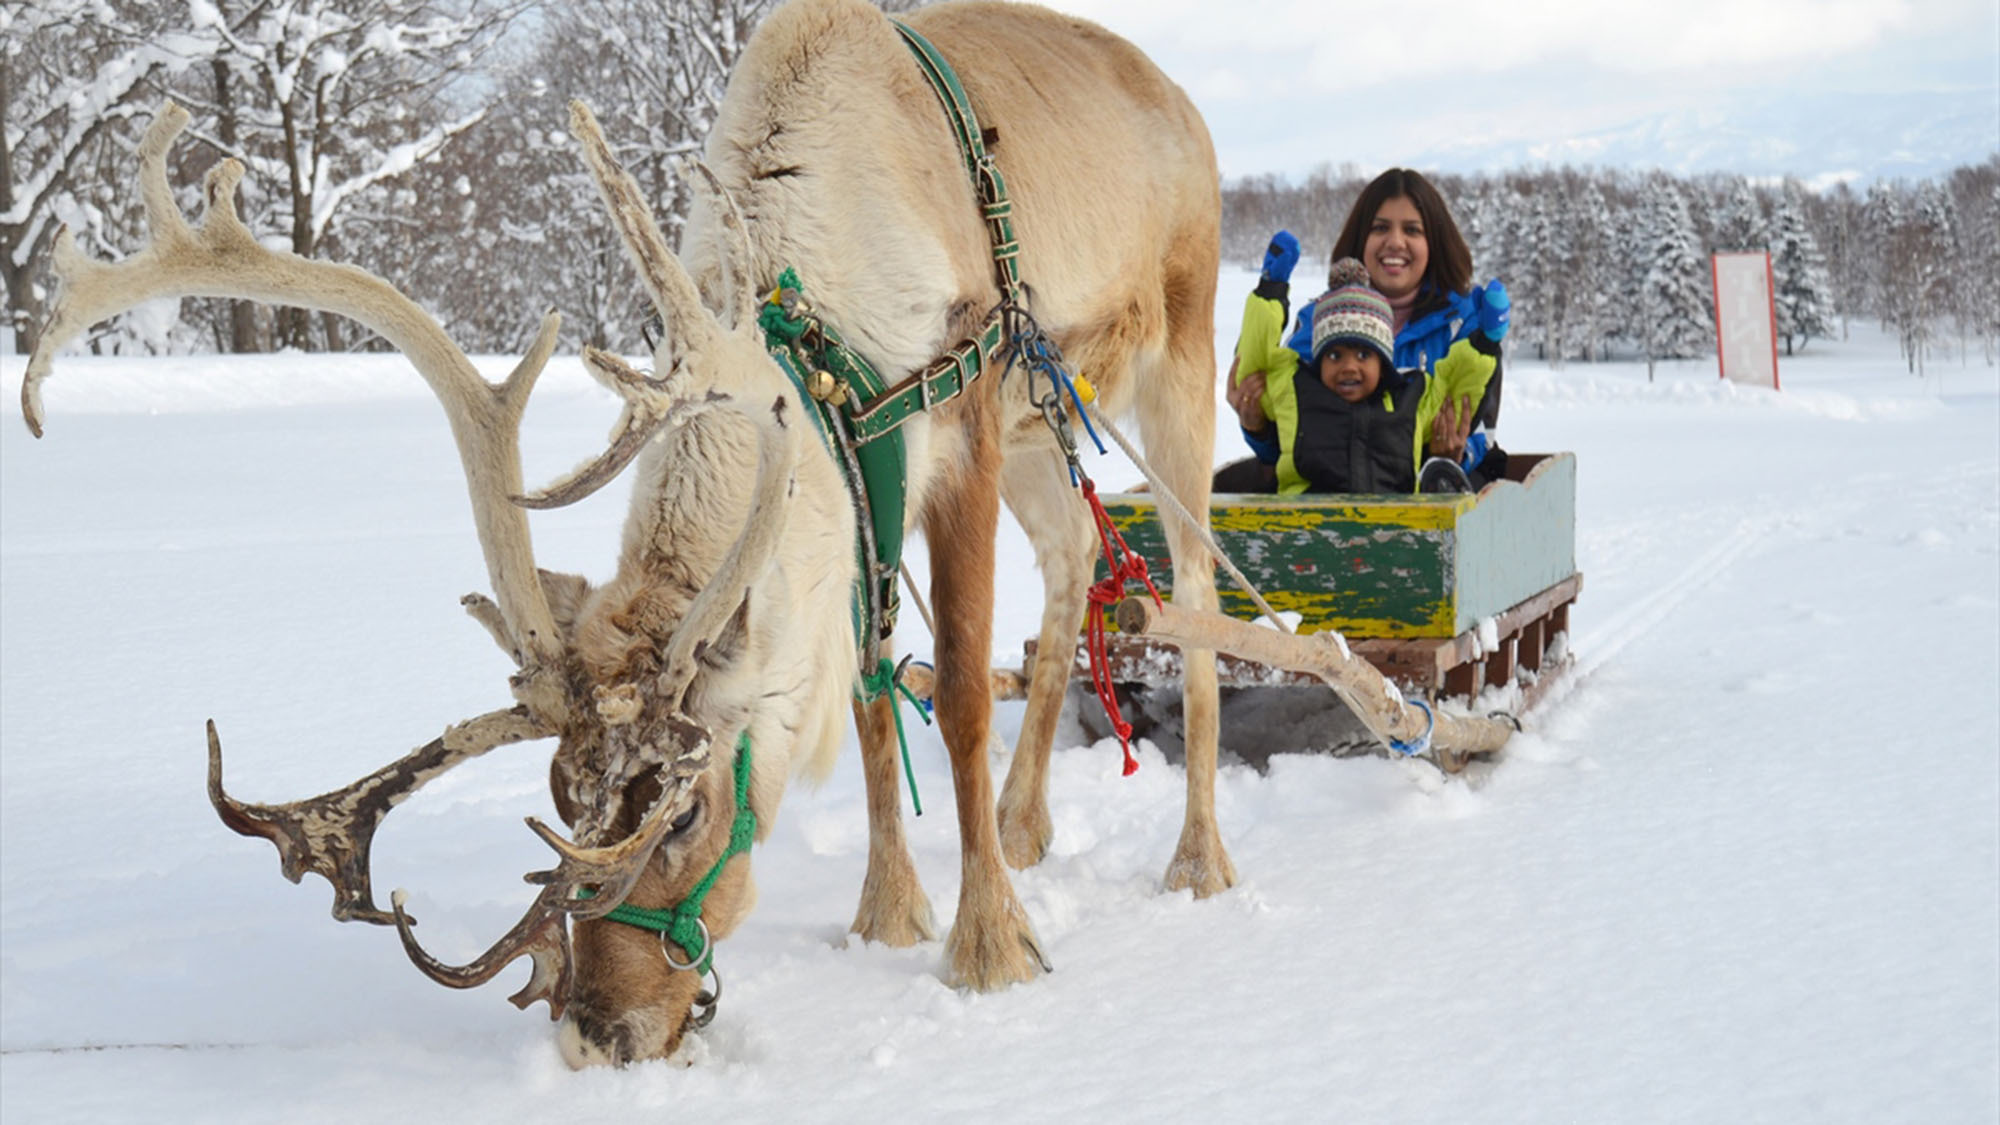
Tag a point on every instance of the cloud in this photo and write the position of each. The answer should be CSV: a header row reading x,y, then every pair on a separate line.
x,y
1345,46
1289,84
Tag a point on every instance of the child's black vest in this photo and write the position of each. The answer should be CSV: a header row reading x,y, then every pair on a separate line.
x,y
1368,446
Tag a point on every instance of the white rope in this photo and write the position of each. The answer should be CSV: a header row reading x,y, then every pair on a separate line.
x,y
1172,503
910,584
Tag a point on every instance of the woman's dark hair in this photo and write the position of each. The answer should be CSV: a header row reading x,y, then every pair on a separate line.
x,y
1450,265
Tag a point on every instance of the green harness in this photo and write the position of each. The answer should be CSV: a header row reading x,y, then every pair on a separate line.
x,y
859,415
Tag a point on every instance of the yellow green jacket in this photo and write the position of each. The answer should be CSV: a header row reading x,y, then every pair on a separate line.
x,y
1462,373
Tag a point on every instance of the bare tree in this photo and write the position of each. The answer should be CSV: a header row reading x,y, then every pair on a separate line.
x,y
73,76
333,99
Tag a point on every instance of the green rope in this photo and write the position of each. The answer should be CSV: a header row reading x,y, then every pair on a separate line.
x,y
681,924
875,685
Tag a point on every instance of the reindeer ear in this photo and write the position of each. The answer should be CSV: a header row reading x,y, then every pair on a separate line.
x,y
739,287
728,647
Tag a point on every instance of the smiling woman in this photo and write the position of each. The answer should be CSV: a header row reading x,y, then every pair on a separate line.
x,y
1399,238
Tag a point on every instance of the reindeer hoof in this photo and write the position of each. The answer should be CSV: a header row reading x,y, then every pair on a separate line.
x,y
1024,834
991,959
1201,864
895,923
894,909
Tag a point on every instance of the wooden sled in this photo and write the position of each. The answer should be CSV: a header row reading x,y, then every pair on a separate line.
x,y
1441,595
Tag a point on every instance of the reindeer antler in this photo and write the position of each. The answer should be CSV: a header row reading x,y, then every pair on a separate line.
x,y
220,258
541,934
331,834
649,402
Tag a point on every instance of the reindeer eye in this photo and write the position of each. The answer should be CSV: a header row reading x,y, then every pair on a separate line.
x,y
684,821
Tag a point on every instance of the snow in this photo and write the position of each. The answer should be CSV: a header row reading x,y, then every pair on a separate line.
x,y
1743,866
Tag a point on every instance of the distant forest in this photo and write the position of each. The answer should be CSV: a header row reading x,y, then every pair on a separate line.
x,y
1602,261
434,150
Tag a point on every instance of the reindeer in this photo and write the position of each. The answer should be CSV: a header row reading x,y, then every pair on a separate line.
x,y
684,693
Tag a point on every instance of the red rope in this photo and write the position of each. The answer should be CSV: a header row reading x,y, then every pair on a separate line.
x,y
1123,564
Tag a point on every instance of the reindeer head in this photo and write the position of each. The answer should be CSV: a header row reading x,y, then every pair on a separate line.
x,y
649,683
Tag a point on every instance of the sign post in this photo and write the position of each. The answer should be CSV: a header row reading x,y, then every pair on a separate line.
x,y
1746,318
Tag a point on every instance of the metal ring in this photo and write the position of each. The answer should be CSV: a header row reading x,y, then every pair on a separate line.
x,y
705,1002
667,944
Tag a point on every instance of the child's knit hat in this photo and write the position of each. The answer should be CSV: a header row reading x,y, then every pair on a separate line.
x,y
1353,312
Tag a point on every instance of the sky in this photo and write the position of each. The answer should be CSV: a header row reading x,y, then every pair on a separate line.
x,y
1814,88
1742,866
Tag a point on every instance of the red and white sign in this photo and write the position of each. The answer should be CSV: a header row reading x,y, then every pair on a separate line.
x,y
1746,318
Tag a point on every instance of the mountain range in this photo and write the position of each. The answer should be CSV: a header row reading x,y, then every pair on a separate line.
x,y
1820,138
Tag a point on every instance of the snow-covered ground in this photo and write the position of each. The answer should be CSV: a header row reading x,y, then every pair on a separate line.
x,y
1745,867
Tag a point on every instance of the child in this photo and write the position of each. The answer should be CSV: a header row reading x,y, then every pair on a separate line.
x,y
1343,419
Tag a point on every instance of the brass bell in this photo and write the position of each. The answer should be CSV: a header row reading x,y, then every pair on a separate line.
x,y
824,387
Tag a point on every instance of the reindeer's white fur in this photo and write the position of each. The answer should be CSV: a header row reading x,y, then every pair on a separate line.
x,y
840,158
842,163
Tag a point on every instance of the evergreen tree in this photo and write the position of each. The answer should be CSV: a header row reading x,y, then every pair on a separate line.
x,y
1804,297
1589,267
1881,218
1675,296
1740,222
1983,264
1532,264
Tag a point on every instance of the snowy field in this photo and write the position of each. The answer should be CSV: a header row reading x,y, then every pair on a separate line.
x,y
1744,867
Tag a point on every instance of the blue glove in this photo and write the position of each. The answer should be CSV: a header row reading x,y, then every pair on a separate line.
x,y
1477,442
1493,307
1282,255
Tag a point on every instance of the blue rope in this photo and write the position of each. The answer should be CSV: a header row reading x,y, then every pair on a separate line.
x,y
1031,348
1420,743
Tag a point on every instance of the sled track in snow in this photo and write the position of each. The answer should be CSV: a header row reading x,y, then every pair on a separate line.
x,y
1603,644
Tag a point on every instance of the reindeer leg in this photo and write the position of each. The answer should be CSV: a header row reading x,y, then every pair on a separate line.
x,y
1037,490
1178,421
894,909
991,944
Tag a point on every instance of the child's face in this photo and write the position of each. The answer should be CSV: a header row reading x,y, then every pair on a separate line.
x,y
1350,371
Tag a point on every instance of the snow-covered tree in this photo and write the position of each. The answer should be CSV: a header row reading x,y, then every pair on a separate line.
x,y
1535,263
1804,297
1739,220
1675,297
1588,267
1881,218
1836,217
1919,271
1975,305
73,79
330,101
519,197
1980,271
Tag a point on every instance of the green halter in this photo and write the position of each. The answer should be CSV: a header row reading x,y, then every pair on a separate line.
x,y
682,924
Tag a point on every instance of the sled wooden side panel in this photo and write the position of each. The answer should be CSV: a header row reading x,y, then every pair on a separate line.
x,y
1387,566
1519,540
1364,565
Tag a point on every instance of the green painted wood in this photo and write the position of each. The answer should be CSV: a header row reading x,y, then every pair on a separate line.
x,y
1384,566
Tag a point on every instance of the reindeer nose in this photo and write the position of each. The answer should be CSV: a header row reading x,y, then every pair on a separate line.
x,y
585,1042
